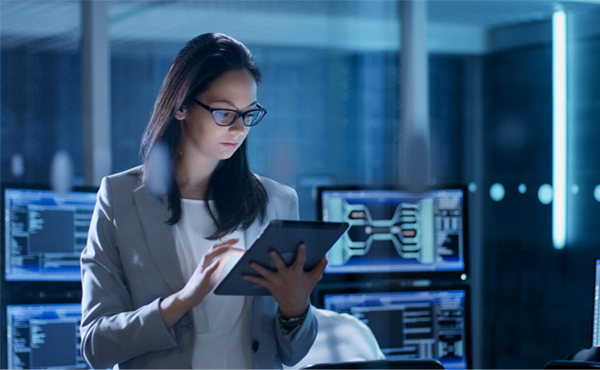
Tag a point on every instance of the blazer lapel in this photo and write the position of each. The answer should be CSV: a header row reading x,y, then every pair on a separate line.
x,y
159,235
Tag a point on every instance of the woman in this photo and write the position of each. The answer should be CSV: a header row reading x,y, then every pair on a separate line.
x,y
158,244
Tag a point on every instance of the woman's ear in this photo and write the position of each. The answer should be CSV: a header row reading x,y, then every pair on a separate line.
x,y
180,114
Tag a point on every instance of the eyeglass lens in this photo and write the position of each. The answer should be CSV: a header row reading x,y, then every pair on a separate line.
x,y
227,117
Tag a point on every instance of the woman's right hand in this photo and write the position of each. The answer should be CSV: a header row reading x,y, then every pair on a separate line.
x,y
207,272
200,284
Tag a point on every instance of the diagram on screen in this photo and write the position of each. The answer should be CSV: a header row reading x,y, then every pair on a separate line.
x,y
390,233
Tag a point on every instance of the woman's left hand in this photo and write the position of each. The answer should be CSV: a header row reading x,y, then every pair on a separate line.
x,y
290,286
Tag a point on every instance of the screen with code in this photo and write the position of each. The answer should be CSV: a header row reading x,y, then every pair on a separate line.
x,y
44,336
44,233
430,324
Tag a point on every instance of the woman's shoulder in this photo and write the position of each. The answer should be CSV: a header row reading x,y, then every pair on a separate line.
x,y
276,189
131,175
125,181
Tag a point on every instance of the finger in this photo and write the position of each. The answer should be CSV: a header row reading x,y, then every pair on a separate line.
x,y
225,244
208,271
221,247
228,242
318,269
256,280
300,257
265,273
214,253
279,264
207,275
237,251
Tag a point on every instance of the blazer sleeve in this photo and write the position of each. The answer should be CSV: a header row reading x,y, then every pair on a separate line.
x,y
293,346
112,330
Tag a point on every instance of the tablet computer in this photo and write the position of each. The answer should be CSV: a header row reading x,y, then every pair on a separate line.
x,y
282,236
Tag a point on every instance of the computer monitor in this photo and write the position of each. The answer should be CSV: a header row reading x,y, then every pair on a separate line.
x,y
596,324
43,336
44,232
411,324
397,231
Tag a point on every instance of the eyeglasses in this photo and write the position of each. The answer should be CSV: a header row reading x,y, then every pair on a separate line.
x,y
226,117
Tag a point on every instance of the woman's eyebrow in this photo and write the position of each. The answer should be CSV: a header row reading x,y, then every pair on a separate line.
x,y
228,102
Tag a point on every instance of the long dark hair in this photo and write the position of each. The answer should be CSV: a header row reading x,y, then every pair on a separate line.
x,y
239,197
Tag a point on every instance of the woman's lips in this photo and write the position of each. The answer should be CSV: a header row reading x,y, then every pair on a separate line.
x,y
230,145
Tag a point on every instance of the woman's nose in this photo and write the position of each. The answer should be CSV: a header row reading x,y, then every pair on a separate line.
x,y
238,125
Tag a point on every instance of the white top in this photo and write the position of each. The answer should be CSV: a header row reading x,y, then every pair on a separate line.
x,y
222,323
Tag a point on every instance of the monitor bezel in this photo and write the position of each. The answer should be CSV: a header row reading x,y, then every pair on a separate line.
x,y
321,290
459,275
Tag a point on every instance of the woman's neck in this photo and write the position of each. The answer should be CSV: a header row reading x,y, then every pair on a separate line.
x,y
193,177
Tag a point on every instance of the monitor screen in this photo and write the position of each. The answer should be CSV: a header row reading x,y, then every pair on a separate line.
x,y
396,231
44,233
421,324
596,333
44,336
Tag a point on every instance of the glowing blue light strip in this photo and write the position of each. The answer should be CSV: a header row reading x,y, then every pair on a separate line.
x,y
559,128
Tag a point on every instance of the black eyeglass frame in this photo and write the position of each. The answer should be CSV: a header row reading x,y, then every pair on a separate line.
x,y
238,114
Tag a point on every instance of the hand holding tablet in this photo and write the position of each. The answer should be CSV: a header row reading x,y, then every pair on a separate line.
x,y
283,237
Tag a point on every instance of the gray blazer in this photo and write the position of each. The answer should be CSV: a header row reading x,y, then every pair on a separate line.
x,y
130,263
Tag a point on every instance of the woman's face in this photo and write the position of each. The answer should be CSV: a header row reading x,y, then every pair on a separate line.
x,y
202,138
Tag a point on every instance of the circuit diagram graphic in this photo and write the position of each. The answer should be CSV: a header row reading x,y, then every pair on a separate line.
x,y
420,231
410,230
